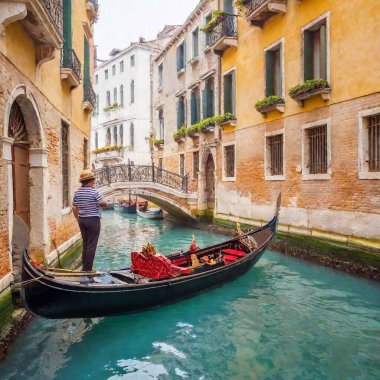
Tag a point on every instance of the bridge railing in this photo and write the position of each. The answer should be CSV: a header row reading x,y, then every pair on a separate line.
x,y
140,173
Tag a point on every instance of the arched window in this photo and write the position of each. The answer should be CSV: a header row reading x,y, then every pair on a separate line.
x,y
132,136
108,137
122,95
115,95
115,135
121,135
132,91
162,124
108,100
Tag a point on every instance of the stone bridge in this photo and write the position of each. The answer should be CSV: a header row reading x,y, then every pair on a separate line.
x,y
166,189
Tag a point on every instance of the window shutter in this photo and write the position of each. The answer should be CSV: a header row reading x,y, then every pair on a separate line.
x,y
178,58
193,108
233,93
211,100
67,27
308,55
323,52
278,73
184,55
269,73
178,115
228,7
204,103
86,66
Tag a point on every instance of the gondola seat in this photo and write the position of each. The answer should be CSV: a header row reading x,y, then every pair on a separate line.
x,y
155,266
229,258
234,252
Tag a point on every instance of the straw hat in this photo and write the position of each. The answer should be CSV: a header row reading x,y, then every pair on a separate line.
x,y
85,175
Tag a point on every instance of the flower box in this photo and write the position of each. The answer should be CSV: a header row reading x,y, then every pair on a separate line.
x,y
270,103
310,89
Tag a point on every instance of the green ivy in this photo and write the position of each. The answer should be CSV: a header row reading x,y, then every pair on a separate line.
x,y
157,141
268,101
309,85
199,127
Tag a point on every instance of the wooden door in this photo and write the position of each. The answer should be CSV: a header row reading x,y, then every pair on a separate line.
x,y
20,166
210,182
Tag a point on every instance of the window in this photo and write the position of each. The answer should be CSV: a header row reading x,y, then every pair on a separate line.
x,y
122,95
161,124
113,69
96,140
208,99
96,79
121,66
181,58
132,91
132,60
181,112
274,157
195,106
108,137
273,71
121,135
160,75
369,144
315,51
229,162
132,136
182,164
115,95
208,32
228,6
229,92
316,150
195,35
115,135
108,100
195,164
85,153
106,74
65,163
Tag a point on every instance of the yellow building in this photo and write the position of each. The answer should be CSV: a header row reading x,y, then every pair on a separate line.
x,y
46,101
302,78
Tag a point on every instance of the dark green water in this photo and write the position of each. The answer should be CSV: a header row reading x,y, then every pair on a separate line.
x,y
285,319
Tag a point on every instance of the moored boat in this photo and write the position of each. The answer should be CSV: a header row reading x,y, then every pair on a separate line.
x,y
152,280
150,212
129,208
108,206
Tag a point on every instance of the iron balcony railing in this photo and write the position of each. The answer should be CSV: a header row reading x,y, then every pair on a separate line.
x,y
226,26
89,94
140,173
69,60
55,11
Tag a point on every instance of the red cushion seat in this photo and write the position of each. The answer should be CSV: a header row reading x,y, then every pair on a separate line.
x,y
234,252
229,258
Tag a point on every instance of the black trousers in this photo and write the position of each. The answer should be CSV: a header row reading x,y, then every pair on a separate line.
x,y
90,229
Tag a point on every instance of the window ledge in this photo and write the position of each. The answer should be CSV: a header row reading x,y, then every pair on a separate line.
x,y
312,177
229,179
369,175
180,72
231,122
66,211
324,93
275,177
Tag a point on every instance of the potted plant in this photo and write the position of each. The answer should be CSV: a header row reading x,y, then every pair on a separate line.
x,y
309,89
158,143
270,103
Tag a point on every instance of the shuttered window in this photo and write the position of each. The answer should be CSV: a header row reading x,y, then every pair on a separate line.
x,y
180,112
276,157
195,42
229,93
67,27
315,52
208,99
273,72
195,106
108,137
65,163
317,160
86,65
208,32
229,161
181,59
115,135
374,143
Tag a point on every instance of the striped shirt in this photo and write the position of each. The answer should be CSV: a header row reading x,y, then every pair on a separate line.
x,y
87,200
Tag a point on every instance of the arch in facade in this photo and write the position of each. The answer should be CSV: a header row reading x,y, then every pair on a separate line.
x,y
207,152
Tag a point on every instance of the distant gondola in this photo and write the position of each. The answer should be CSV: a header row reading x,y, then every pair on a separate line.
x,y
57,294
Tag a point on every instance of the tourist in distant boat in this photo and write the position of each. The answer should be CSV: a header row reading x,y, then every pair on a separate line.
x,y
86,208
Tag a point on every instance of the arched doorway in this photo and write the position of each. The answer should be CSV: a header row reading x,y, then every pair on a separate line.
x,y
210,182
20,164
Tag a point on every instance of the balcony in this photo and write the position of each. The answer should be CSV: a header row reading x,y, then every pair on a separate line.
x,y
257,12
71,68
89,98
223,33
41,19
92,8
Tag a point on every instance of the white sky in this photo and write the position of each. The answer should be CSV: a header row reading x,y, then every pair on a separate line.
x,y
124,21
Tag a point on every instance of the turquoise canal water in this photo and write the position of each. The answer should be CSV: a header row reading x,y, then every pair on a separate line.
x,y
285,319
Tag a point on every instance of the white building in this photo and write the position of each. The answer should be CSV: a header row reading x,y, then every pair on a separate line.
x,y
121,126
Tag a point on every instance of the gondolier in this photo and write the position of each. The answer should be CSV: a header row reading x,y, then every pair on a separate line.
x,y
86,208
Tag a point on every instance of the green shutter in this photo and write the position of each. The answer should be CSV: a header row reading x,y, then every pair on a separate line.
x,y
86,66
323,52
204,103
193,108
178,116
211,100
228,6
228,93
269,73
308,55
277,73
178,58
233,92
67,27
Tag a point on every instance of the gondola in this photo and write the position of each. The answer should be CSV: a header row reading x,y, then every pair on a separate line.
x,y
108,206
54,294
150,212
125,207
